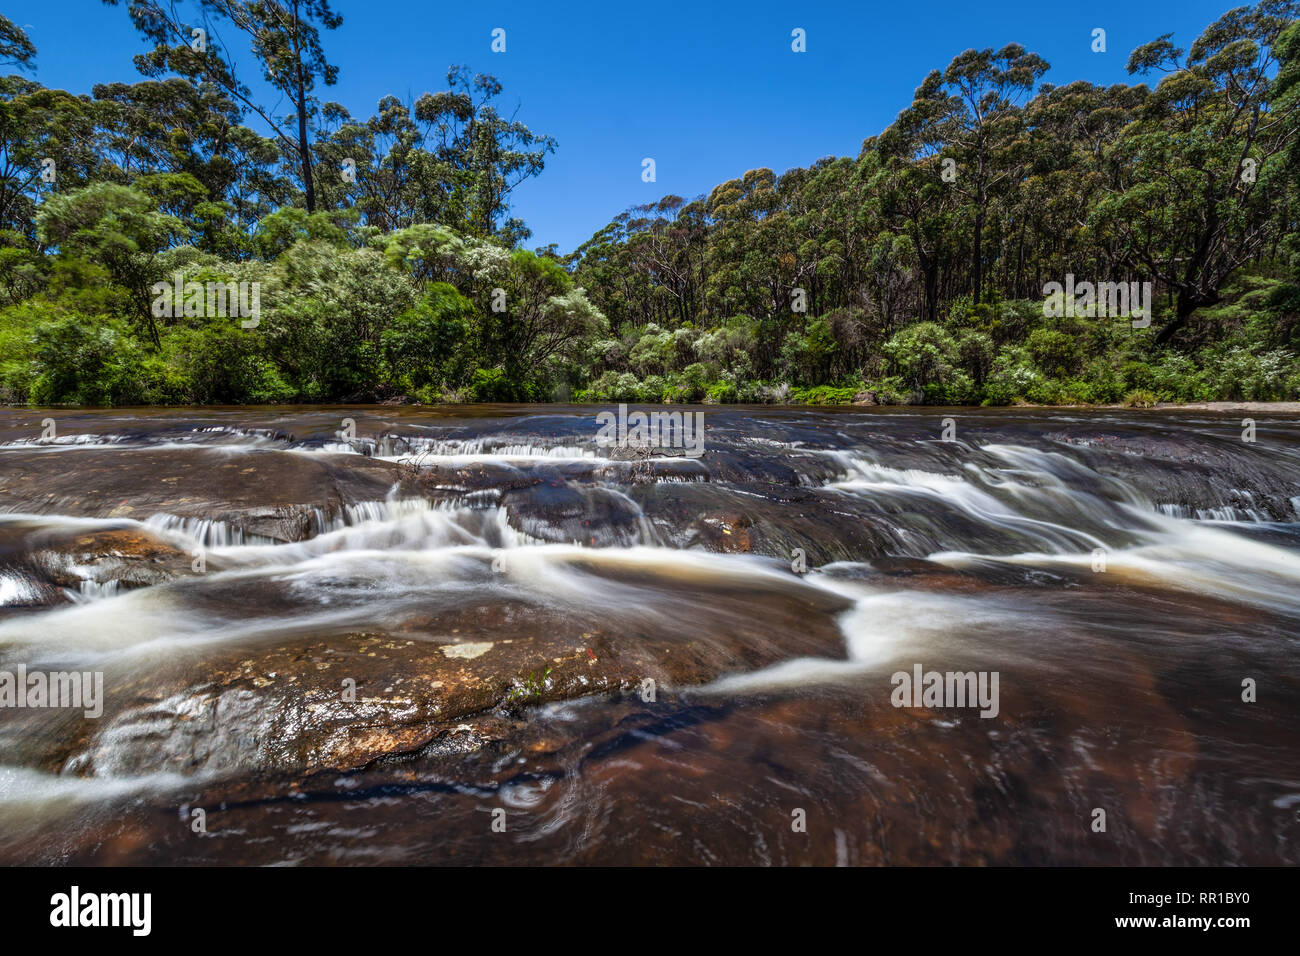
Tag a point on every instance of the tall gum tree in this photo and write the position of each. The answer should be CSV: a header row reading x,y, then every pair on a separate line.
x,y
971,113
284,35
1203,167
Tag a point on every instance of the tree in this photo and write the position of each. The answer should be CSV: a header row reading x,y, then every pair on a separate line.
x,y
971,113
16,49
36,125
907,195
284,36
479,156
545,315
1203,168
183,126
117,227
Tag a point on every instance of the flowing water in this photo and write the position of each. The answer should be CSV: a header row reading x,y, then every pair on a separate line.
x,y
478,636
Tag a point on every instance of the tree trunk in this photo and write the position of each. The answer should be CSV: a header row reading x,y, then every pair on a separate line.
x,y
1187,304
304,156
304,147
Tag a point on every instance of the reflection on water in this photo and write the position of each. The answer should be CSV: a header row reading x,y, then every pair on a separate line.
x,y
656,660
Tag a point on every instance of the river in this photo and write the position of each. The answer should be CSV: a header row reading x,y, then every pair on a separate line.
x,y
476,635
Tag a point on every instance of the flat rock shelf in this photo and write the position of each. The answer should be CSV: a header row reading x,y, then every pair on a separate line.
x,y
481,635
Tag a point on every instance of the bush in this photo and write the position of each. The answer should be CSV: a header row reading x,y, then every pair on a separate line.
x,y
824,395
18,325
1240,375
1139,398
324,312
655,351
923,354
1013,377
1100,383
721,393
1138,376
1175,378
976,353
84,361
494,385
222,364
956,389
1055,352
890,391
1016,320
807,356
424,349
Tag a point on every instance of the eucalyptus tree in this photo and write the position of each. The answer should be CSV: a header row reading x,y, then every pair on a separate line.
x,y
970,113
16,48
117,228
1205,166
478,155
285,38
909,196
449,158
1071,128
172,131
47,142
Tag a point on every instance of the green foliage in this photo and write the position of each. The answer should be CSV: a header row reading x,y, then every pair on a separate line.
x,y
117,228
15,46
224,364
1139,398
277,232
924,354
721,393
423,348
807,355
495,385
824,395
1055,353
407,281
90,361
1242,375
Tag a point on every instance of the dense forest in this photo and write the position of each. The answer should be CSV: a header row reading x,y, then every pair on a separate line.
x,y
175,240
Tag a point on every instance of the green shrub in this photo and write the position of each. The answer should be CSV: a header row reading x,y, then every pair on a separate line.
x,y
976,353
1140,398
1099,384
720,393
220,363
86,361
923,354
1013,377
1238,374
1175,378
1138,376
1055,352
676,395
824,395
424,348
956,389
494,385
890,391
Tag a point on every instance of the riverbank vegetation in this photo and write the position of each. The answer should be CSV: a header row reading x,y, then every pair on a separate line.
x,y
388,267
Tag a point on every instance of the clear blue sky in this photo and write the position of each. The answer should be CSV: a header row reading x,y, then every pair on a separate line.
x,y
708,88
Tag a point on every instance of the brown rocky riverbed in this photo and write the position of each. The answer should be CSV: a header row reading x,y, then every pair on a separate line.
x,y
384,641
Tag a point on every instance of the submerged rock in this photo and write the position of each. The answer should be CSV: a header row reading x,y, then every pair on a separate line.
x,y
268,493
342,702
51,561
127,558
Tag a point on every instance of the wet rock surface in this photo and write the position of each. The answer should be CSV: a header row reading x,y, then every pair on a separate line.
x,y
324,636
271,494
343,702
59,563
